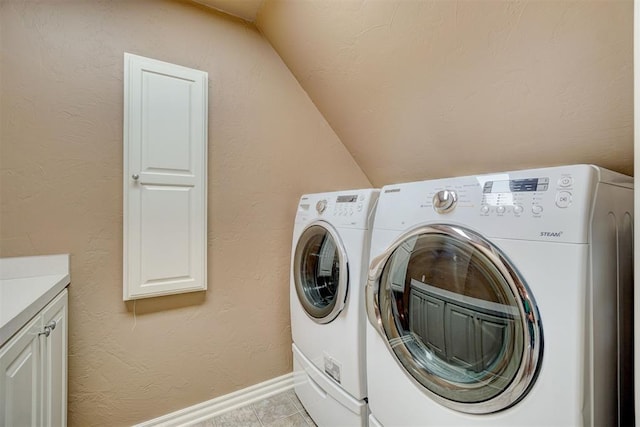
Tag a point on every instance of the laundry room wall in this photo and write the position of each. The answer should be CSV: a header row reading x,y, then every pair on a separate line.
x,y
431,89
61,112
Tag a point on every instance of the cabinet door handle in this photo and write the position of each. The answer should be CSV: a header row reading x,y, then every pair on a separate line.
x,y
48,328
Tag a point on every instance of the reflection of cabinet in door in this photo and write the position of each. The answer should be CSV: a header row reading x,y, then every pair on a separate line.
x,y
33,387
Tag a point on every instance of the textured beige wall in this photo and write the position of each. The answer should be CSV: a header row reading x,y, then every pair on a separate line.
x,y
420,89
61,191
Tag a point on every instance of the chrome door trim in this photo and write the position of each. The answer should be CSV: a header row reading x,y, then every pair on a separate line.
x,y
343,281
531,323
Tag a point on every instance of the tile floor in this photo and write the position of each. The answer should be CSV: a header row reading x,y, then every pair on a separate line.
x,y
281,410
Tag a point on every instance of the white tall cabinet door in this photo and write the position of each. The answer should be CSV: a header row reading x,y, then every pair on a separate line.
x,y
20,365
165,153
54,362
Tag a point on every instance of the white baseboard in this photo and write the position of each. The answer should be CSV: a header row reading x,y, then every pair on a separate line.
x,y
209,409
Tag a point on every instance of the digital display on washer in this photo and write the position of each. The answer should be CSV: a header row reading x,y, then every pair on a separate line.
x,y
347,199
516,185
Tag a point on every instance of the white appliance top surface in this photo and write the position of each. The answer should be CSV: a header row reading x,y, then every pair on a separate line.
x,y
27,284
548,204
343,209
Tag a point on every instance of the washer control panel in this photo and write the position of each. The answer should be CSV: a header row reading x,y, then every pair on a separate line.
x,y
347,208
348,205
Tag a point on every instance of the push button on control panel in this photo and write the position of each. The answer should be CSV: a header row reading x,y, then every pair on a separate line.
x,y
563,199
484,209
565,181
517,209
536,209
500,209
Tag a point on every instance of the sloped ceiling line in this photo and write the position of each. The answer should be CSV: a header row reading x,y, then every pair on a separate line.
x,y
244,9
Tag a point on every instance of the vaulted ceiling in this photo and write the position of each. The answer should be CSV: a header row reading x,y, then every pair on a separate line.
x,y
419,89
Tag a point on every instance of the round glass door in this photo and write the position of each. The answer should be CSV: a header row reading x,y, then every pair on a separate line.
x,y
458,318
320,272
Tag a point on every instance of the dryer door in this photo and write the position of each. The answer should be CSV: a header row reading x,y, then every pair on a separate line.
x,y
320,272
457,317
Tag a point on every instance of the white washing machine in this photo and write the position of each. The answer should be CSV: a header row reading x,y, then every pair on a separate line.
x,y
503,300
329,267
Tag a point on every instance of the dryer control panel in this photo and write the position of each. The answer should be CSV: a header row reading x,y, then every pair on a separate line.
x,y
521,196
540,204
534,195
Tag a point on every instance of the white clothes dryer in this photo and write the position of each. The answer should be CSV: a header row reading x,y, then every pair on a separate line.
x,y
328,274
503,300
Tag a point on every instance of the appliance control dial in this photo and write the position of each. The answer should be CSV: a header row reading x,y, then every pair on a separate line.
x,y
444,201
321,206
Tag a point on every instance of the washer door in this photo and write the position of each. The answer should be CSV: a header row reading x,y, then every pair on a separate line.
x,y
457,317
320,272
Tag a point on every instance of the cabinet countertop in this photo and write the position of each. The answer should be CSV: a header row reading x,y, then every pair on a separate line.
x,y
27,284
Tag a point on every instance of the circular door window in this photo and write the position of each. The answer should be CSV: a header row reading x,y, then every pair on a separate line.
x,y
320,272
458,318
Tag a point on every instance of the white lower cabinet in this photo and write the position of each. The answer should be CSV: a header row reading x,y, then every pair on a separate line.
x,y
33,363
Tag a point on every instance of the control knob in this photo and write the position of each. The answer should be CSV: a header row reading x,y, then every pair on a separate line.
x,y
444,201
321,206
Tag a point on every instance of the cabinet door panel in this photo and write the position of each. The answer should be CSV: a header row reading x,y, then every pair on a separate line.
x,y
166,119
55,363
166,216
20,388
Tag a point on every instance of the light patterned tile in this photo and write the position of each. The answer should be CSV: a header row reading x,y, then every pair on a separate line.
x,y
206,423
274,408
295,420
290,393
244,417
294,398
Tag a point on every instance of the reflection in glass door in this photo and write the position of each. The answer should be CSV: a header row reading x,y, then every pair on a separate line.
x,y
320,272
458,318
